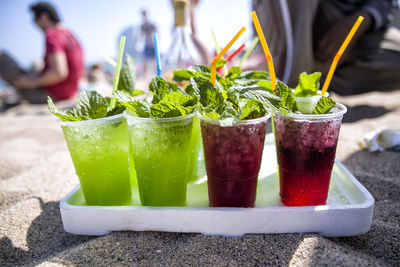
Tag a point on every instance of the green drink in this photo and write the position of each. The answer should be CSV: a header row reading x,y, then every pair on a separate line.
x,y
99,150
194,151
162,152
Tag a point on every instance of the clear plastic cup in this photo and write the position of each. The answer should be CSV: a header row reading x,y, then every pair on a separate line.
x,y
100,152
233,158
306,147
162,152
306,104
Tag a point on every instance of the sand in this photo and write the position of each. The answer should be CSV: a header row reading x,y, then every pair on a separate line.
x,y
36,172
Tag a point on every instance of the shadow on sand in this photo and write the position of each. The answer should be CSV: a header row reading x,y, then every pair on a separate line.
x,y
360,112
45,238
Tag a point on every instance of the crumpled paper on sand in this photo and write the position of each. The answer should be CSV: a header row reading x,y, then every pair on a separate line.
x,y
381,139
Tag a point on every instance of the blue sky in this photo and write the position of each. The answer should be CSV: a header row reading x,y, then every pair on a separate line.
x,y
98,24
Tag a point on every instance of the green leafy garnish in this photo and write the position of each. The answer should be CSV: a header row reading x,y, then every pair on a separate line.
x,y
168,101
139,108
127,77
285,93
324,105
90,105
221,62
209,95
159,87
255,75
267,85
167,110
255,92
233,73
219,104
251,110
308,84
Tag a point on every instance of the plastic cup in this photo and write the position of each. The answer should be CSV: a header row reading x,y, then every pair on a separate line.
x,y
306,147
162,152
306,104
195,144
233,158
100,152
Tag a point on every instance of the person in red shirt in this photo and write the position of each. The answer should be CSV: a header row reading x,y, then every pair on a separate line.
x,y
63,60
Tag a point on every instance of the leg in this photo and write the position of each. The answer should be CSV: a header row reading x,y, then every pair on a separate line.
x,y
301,15
9,69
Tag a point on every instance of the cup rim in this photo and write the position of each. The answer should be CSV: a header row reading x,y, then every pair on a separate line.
x,y
66,123
239,122
318,94
342,110
178,118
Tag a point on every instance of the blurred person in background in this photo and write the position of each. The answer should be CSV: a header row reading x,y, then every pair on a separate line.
x,y
316,29
96,80
146,31
63,61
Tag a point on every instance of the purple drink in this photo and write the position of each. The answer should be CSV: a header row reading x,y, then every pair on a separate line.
x,y
233,157
306,147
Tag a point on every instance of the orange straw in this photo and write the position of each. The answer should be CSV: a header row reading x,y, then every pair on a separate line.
x,y
265,48
220,54
340,53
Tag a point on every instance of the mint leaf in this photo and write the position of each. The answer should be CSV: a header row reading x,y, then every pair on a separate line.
x,y
267,85
168,101
192,71
118,109
308,84
224,83
173,87
67,115
200,68
183,75
159,87
167,110
136,92
90,105
181,99
254,92
213,115
233,73
251,110
324,105
228,111
139,108
254,75
127,76
221,62
286,95
209,95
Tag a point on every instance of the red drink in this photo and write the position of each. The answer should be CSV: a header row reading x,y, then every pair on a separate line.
x,y
233,158
306,147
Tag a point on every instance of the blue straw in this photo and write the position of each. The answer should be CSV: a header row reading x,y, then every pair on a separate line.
x,y
157,53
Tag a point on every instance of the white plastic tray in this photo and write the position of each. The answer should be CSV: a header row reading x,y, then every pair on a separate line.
x,y
348,211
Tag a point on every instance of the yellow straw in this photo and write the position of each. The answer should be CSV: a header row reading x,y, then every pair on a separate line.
x,y
340,53
265,48
220,54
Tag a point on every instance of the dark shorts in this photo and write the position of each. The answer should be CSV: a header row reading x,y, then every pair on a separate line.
x,y
149,52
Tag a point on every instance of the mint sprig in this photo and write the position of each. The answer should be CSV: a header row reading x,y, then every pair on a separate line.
x,y
168,101
251,110
308,84
217,103
288,102
324,105
90,105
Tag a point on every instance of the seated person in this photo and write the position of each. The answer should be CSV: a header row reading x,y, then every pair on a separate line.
x,y
63,62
